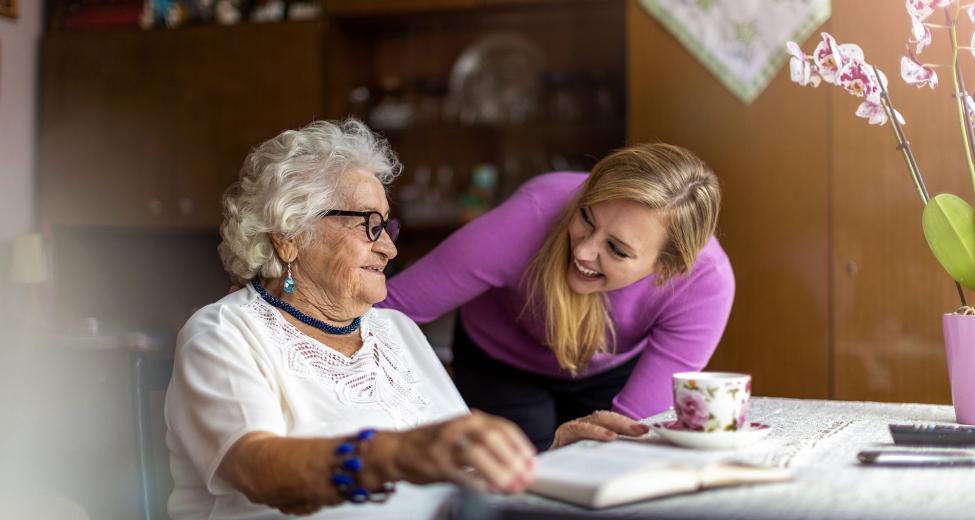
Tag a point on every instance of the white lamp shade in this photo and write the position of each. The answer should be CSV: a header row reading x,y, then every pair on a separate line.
x,y
28,263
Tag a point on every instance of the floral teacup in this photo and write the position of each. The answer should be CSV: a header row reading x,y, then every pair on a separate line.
x,y
711,401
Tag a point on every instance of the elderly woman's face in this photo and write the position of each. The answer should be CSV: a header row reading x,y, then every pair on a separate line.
x,y
343,262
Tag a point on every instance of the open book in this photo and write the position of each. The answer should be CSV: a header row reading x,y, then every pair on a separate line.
x,y
597,474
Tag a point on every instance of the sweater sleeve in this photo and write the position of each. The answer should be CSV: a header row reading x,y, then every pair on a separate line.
x,y
682,340
491,251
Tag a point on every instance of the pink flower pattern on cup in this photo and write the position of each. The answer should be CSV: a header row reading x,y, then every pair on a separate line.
x,y
693,412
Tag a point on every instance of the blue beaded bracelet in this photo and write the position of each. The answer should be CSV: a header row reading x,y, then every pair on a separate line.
x,y
347,468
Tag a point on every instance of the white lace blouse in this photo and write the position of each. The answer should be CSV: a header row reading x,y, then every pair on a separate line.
x,y
241,367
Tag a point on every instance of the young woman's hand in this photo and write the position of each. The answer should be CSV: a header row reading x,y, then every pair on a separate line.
x,y
601,425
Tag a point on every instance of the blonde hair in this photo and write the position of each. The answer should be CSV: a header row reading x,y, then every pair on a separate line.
x,y
285,182
660,176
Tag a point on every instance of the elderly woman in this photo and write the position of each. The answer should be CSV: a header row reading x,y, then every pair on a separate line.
x,y
294,394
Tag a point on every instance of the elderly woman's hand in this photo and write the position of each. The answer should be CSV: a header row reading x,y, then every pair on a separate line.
x,y
291,475
500,455
601,425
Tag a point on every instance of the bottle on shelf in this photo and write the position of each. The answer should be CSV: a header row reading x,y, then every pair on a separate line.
x,y
480,195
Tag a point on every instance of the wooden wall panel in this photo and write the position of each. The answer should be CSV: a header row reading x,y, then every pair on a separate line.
x,y
889,290
838,294
772,159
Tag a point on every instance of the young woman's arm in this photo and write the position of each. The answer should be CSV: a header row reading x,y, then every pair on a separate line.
x,y
682,340
491,251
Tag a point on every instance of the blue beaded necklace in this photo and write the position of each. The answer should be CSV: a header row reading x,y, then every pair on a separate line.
x,y
302,317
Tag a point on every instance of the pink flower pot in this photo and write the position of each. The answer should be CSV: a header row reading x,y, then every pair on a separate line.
x,y
960,350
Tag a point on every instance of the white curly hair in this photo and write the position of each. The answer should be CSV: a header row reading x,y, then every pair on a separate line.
x,y
285,182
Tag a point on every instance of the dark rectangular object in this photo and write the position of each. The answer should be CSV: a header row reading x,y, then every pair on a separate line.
x,y
933,434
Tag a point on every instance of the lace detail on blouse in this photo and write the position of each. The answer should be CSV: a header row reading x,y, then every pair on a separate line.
x,y
378,375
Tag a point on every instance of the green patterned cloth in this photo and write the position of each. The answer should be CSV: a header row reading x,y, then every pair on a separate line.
x,y
742,42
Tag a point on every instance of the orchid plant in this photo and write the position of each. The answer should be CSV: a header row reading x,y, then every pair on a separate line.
x,y
948,221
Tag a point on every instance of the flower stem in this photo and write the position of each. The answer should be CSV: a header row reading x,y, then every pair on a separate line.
x,y
905,147
964,119
902,143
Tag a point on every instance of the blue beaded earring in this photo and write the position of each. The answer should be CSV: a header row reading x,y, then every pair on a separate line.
x,y
289,282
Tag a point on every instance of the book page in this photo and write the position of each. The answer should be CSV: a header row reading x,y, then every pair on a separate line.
x,y
719,475
600,474
596,474
594,462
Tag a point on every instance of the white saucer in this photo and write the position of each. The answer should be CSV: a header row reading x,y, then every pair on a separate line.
x,y
671,431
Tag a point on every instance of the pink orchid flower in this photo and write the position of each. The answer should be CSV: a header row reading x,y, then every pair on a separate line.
x,y
801,68
915,73
831,57
857,78
921,9
844,66
875,114
921,36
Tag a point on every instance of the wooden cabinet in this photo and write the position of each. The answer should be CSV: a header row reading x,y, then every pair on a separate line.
x,y
387,7
444,63
147,128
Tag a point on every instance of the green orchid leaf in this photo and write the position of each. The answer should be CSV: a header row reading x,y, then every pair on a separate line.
x,y
949,227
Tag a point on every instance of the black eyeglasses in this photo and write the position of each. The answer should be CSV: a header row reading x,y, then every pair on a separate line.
x,y
374,222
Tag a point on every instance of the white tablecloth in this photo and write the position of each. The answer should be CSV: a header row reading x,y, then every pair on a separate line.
x,y
819,441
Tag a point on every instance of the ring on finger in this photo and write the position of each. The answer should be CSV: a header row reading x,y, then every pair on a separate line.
x,y
462,443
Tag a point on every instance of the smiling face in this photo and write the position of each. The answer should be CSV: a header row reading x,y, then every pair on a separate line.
x,y
613,244
341,261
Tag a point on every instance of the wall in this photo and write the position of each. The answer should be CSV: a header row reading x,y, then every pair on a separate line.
x,y
838,296
18,93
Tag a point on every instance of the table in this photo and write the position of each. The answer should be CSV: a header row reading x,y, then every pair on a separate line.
x,y
819,441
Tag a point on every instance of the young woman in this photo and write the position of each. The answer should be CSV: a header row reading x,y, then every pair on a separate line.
x,y
582,292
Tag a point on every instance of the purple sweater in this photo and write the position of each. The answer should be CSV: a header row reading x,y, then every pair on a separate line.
x,y
672,328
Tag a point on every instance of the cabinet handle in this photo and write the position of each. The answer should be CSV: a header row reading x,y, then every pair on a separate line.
x,y
852,268
185,205
155,207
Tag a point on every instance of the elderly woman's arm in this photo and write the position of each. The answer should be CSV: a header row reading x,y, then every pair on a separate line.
x,y
294,474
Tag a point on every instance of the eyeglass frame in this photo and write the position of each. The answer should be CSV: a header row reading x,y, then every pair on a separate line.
x,y
384,222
